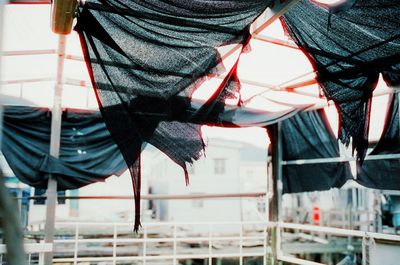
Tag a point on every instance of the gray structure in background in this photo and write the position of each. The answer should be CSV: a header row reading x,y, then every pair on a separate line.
x,y
228,167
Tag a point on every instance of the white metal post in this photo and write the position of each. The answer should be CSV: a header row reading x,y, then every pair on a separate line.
x,y
76,243
144,243
54,148
265,245
210,231
115,245
175,261
241,243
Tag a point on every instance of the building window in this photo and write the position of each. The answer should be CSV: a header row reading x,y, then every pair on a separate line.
x,y
219,166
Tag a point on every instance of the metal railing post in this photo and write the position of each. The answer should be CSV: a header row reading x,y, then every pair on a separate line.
x,y
210,244
241,244
76,243
55,136
175,246
115,245
265,246
144,243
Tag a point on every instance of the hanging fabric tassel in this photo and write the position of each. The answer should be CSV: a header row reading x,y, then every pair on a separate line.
x,y
135,171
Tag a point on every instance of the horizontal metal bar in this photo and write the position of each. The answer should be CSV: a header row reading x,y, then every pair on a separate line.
x,y
340,231
391,192
165,240
272,40
338,159
161,257
305,83
31,248
293,260
314,248
156,196
263,21
78,82
28,80
157,224
29,52
74,57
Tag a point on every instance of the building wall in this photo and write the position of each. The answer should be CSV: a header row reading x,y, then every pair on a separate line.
x,y
113,210
218,172
253,175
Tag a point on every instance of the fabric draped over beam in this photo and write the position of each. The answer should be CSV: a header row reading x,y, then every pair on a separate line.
x,y
146,57
349,49
384,173
87,152
308,135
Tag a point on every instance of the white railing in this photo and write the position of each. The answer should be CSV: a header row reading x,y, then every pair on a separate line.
x,y
31,249
328,230
212,245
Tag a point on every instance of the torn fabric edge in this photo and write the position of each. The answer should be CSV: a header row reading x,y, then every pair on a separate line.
x,y
129,128
348,49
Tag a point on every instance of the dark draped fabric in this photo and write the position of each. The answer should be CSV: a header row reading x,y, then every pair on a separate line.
x,y
384,173
241,116
349,48
87,152
142,54
308,135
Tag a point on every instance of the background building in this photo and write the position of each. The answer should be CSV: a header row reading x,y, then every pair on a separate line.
x,y
227,167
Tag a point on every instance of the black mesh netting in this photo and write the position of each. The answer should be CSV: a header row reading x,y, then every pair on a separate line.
x,y
308,135
146,57
349,48
142,54
384,173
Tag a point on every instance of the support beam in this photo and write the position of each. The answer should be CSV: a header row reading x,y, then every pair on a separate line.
x,y
29,52
306,76
309,82
54,149
275,205
269,16
279,7
342,232
338,159
161,196
272,40
30,80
